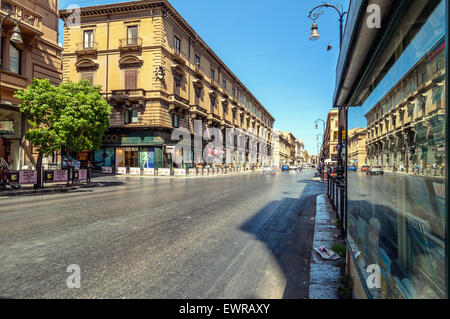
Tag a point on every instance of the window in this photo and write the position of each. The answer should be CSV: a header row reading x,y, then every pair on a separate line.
x,y
175,119
177,45
234,92
130,79
224,84
15,59
176,85
88,39
212,74
424,77
242,99
132,35
198,93
89,76
213,103
197,63
131,116
247,104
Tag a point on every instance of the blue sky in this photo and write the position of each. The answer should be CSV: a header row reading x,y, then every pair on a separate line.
x,y
266,45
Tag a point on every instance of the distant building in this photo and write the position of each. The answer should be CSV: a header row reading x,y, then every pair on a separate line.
x,y
357,151
330,141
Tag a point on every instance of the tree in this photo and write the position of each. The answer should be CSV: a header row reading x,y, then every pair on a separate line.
x,y
73,115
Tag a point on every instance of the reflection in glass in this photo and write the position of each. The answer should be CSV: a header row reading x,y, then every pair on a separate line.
x,y
397,220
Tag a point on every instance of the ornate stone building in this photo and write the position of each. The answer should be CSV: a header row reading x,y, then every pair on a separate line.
x,y
35,53
158,74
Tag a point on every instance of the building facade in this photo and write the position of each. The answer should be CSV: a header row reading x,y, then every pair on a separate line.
x,y
299,152
357,148
330,141
39,55
157,74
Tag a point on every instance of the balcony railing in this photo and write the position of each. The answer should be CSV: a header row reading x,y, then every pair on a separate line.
x,y
127,93
21,13
86,48
130,43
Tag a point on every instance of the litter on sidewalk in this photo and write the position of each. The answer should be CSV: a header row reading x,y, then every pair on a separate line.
x,y
327,253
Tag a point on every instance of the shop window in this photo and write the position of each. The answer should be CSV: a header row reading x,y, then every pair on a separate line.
x,y
397,221
15,58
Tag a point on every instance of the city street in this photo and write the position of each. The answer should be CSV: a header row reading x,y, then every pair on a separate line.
x,y
221,237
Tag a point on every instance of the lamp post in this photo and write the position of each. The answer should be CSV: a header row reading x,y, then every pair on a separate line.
x,y
15,38
314,14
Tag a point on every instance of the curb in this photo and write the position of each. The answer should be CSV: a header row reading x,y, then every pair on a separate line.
x,y
324,274
48,190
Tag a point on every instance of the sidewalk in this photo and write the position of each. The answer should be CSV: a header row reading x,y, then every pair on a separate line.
x,y
57,188
324,274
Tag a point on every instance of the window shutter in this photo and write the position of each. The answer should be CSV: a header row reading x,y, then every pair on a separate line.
x,y
130,79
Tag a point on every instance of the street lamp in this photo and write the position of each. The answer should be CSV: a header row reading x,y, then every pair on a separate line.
x,y
314,14
16,38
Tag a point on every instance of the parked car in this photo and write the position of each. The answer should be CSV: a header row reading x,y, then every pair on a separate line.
x,y
268,170
293,167
365,168
352,168
285,167
375,170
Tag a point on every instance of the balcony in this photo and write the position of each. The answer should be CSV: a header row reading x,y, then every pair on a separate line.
x,y
31,20
130,44
86,48
128,94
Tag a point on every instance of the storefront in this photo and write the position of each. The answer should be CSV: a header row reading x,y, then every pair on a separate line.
x,y
144,149
11,136
396,223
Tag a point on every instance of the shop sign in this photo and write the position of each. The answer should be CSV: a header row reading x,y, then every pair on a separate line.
x,y
7,127
106,170
27,177
14,177
149,171
179,172
83,156
81,175
192,171
135,171
60,176
164,171
121,170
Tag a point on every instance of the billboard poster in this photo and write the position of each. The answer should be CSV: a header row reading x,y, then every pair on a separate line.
x,y
14,177
147,157
149,171
27,177
60,176
179,172
121,170
106,170
135,171
192,171
164,171
82,174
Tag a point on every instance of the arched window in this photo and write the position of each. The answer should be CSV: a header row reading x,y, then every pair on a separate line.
x,y
14,58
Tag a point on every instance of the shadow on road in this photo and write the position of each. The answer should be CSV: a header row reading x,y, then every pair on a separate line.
x,y
288,234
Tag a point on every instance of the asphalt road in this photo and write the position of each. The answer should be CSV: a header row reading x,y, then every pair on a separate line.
x,y
220,237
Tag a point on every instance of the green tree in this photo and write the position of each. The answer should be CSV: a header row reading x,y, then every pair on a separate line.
x,y
73,115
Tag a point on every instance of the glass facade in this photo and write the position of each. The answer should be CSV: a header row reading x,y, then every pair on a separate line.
x,y
396,211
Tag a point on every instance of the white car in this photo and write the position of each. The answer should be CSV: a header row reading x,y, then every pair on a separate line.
x,y
293,167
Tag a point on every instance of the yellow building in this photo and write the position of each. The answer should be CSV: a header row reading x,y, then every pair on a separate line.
x,y
357,152
158,74
330,141
406,127
31,52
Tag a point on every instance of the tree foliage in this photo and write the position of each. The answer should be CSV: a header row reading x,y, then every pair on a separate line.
x,y
73,114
